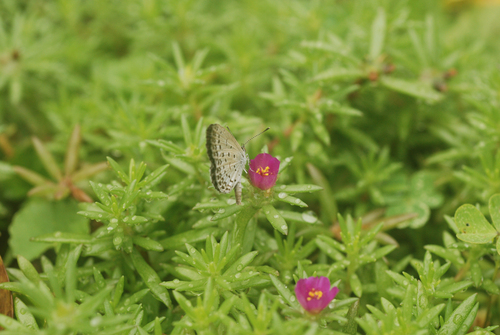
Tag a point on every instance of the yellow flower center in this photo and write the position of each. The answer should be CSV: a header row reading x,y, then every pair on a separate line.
x,y
263,172
313,294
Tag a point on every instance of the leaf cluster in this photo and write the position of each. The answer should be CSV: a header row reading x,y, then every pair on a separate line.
x,y
383,114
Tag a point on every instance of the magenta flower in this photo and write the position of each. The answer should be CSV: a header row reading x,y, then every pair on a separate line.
x,y
314,293
263,171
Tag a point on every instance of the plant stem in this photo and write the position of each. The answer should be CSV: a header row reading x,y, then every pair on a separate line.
x,y
240,228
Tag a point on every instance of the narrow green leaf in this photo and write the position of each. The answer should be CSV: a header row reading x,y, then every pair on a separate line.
x,y
378,35
422,301
15,90
376,312
96,215
369,324
356,286
167,146
285,292
211,205
439,272
370,235
154,177
188,273
282,196
306,217
23,314
11,324
284,163
98,246
351,326
469,320
442,295
178,58
196,257
457,319
90,305
336,74
381,252
241,263
296,137
416,89
491,287
329,248
298,188
430,38
275,219
71,275
255,281
117,294
238,278
102,193
150,278
494,207
134,220
47,159
198,59
147,243
345,110
451,255
72,152
428,316
192,236
199,137
408,303
28,269
182,166
59,237
419,49
332,242
326,197
186,131
192,285
118,170
319,129
401,280
476,274
456,287
185,305
148,195
87,171
225,212
31,176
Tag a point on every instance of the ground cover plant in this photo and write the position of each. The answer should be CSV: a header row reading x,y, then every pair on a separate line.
x,y
370,206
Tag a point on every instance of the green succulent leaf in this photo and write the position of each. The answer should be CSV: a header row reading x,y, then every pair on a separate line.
x,y
473,226
275,219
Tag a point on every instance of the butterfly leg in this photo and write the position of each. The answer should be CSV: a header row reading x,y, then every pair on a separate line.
x,y
237,193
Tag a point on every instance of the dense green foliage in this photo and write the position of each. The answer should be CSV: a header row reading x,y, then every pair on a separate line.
x,y
385,116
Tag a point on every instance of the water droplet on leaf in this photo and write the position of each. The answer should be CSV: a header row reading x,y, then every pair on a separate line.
x,y
308,218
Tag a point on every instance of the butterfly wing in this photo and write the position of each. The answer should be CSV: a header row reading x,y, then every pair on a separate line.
x,y
227,158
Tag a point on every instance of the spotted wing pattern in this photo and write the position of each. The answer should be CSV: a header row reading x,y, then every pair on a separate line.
x,y
227,157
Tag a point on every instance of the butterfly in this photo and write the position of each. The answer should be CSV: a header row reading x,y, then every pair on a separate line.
x,y
228,160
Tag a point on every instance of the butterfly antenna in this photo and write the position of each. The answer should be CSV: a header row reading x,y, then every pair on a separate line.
x,y
262,132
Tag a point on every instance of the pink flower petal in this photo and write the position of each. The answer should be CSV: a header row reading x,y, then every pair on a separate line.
x,y
314,293
263,171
